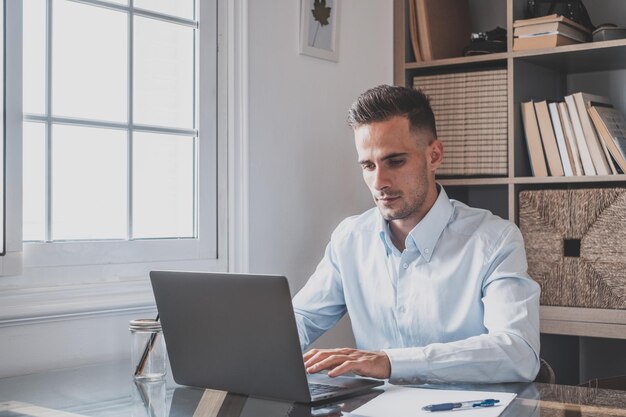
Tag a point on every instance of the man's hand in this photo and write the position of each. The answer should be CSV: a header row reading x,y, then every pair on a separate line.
x,y
340,361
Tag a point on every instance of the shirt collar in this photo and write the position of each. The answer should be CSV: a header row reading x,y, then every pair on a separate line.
x,y
426,233
385,235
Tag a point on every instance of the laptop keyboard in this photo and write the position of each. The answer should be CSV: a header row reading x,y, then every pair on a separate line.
x,y
319,389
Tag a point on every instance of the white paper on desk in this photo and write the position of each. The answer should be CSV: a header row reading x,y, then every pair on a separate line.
x,y
408,402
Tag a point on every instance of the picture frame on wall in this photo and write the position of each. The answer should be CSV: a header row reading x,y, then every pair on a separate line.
x,y
319,28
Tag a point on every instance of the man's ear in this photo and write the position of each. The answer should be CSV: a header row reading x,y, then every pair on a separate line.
x,y
435,154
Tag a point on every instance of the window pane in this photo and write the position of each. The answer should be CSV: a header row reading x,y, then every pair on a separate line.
x,y
34,178
163,187
180,8
90,57
163,76
34,58
89,176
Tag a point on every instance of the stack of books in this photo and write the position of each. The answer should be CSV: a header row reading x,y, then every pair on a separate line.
x,y
583,135
548,32
471,116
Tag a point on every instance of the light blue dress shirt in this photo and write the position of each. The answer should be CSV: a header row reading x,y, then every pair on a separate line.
x,y
457,305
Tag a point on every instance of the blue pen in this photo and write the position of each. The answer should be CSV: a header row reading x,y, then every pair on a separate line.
x,y
465,405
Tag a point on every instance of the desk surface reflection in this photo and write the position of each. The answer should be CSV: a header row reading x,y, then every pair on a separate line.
x,y
108,390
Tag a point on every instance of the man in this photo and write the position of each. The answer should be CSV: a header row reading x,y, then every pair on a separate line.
x,y
436,291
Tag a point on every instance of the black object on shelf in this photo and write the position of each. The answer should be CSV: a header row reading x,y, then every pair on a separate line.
x,y
608,32
572,9
486,42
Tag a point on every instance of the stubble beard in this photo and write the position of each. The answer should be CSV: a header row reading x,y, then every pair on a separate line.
x,y
407,209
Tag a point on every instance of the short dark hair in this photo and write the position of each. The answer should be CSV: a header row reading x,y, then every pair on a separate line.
x,y
384,102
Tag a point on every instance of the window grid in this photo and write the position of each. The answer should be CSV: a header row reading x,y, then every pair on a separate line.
x,y
129,127
131,50
48,140
196,53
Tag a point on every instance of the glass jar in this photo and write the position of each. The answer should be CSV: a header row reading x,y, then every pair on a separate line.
x,y
148,353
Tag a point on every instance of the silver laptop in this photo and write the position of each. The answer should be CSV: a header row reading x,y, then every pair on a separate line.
x,y
237,333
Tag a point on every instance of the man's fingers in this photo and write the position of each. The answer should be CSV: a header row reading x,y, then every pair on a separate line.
x,y
341,361
327,363
316,355
347,366
308,355
372,364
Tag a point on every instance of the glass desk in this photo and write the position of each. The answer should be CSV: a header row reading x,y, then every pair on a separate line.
x,y
108,390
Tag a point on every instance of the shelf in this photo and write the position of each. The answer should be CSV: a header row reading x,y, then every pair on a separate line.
x,y
590,322
571,180
499,58
474,181
533,180
584,57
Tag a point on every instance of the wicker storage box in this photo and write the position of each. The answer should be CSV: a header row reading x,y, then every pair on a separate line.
x,y
472,123
576,245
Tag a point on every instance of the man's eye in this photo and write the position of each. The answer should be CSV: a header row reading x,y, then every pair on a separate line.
x,y
396,162
367,167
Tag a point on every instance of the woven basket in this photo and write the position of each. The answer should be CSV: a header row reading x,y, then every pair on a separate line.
x,y
576,245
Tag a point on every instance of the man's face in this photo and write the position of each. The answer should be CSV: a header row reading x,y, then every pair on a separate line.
x,y
398,167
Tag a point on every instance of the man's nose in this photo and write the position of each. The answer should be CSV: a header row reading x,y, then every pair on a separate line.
x,y
381,179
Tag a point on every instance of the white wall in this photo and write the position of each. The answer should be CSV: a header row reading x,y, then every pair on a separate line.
x,y
304,178
34,347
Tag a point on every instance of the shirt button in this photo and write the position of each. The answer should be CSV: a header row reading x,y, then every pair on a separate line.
x,y
426,250
401,309
405,266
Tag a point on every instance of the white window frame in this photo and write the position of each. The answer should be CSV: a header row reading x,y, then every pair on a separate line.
x,y
206,247
2,161
11,262
51,287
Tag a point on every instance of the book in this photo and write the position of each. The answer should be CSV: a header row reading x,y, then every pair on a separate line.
x,y
570,139
413,31
443,28
611,128
551,28
607,154
547,138
541,42
598,156
578,38
550,19
585,156
533,140
564,151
